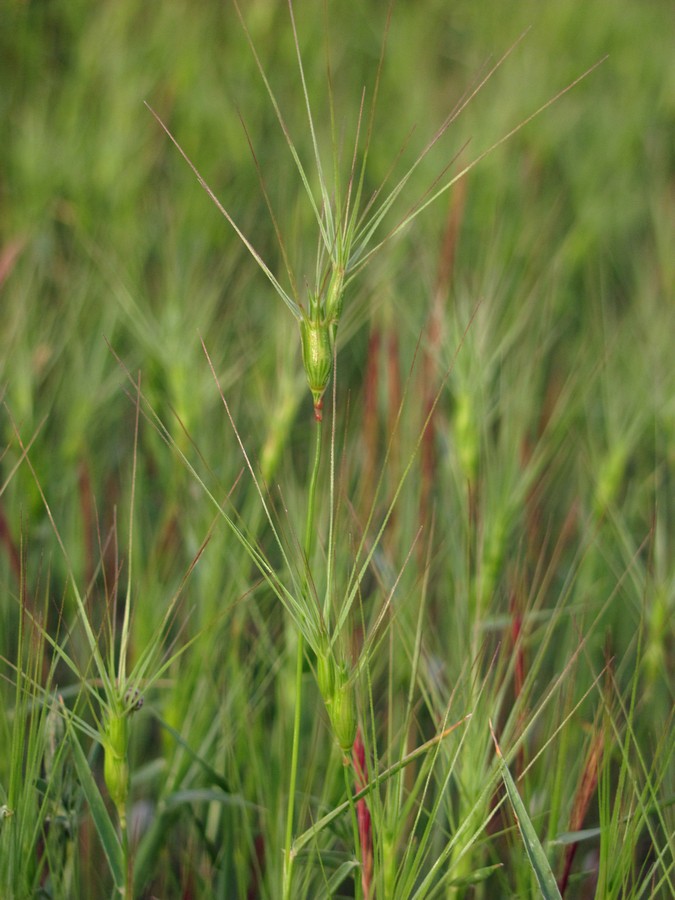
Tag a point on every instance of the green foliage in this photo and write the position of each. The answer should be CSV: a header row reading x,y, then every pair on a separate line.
x,y
324,629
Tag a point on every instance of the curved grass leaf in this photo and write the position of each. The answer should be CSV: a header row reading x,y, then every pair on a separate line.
x,y
340,875
475,877
104,825
535,852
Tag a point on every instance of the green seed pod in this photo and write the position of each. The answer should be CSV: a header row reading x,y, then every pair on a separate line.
x,y
115,764
326,673
317,356
343,712
338,695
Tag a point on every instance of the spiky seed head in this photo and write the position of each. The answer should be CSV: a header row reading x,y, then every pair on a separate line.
x,y
338,695
317,356
326,673
115,764
343,712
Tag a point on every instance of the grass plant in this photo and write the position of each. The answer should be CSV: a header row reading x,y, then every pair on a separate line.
x,y
371,600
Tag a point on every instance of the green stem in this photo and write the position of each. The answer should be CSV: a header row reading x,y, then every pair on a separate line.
x,y
288,852
128,865
310,531
355,827
311,500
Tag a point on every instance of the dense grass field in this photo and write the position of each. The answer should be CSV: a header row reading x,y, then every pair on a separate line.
x,y
337,524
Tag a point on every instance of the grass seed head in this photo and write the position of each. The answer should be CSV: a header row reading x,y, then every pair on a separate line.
x,y
116,765
326,675
338,695
317,355
343,712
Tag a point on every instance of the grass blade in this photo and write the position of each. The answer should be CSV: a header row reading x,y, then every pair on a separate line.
x,y
340,875
535,852
104,825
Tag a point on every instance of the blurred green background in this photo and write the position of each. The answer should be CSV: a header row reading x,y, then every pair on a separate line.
x,y
110,247
106,234
113,260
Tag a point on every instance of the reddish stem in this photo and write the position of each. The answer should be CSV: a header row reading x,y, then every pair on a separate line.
x,y
363,816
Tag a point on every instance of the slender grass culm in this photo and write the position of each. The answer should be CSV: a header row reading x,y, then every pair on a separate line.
x,y
364,594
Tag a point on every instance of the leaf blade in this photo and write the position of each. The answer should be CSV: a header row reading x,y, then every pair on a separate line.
x,y
104,825
535,852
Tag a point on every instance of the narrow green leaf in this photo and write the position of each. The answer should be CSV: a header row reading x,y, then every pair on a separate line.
x,y
535,852
576,837
475,877
104,825
340,875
